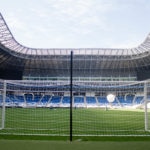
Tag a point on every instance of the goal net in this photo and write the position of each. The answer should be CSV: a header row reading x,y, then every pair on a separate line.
x,y
99,108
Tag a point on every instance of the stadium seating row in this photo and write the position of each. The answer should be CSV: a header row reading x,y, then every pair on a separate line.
x,y
31,100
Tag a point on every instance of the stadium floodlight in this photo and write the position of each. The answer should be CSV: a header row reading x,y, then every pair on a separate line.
x,y
111,97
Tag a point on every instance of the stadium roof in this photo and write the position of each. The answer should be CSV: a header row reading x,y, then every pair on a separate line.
x,y
15,56
9,43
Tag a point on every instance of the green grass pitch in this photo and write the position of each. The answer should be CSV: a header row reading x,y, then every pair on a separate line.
x,y
44,128
86,122
55,145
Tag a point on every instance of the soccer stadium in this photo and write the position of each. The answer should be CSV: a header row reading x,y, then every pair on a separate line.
x,y
107,90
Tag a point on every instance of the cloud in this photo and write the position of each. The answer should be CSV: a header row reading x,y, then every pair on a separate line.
x,y
89,23
80,16
71,8
14,22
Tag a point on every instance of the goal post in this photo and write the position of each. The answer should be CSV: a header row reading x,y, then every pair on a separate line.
x,y
102,108
147,104
3,105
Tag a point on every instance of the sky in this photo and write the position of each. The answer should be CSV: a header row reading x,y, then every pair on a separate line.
x,y
77,23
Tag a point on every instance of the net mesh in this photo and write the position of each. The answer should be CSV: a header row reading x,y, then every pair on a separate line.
x,y
43,108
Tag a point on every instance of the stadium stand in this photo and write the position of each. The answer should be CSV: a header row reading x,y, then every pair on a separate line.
x,y
41,75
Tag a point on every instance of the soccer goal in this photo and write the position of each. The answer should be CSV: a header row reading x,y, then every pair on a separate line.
x,y
99,108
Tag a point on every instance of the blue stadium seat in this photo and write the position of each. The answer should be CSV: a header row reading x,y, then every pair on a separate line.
x,y
45,99
102,100
31,99
90,100
66,100
55,99
78,99
138,100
